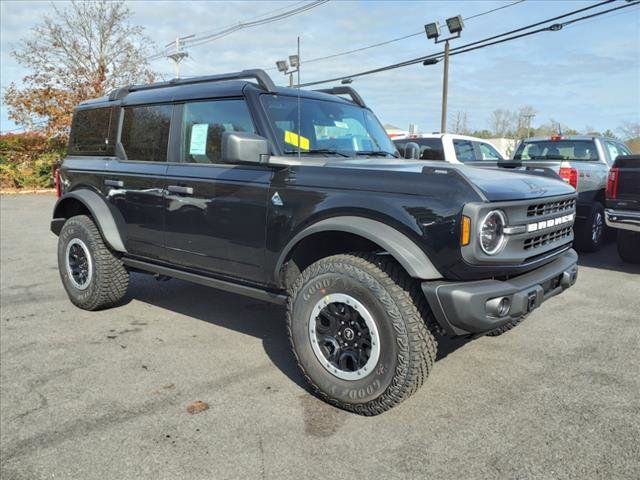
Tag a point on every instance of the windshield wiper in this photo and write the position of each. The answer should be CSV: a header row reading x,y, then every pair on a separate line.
x,y
327,151
377,153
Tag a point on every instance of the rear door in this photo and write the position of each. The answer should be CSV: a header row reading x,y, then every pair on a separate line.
x,y
215,212
135,184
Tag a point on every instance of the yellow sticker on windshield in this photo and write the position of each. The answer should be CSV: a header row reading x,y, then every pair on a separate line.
x,y
292,139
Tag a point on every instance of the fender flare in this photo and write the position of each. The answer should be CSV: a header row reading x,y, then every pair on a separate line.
x,y
397,244
108,220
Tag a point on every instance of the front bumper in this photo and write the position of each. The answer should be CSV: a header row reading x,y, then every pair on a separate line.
x,y
461,307
625,219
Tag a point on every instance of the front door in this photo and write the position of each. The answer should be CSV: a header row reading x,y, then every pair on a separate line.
x,y
215,213
135,186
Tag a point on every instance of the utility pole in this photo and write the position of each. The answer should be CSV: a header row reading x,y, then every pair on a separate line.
x,y
445,88
529,117
178,55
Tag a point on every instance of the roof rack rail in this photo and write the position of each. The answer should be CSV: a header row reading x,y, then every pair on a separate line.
x,y
260,76
345,90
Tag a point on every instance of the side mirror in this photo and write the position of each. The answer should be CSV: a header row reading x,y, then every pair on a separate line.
x,y
412,150
243,147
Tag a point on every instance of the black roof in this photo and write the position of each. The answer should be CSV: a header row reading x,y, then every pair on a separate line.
x,y
208,87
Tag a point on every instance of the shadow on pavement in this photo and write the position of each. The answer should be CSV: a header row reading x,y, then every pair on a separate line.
x,y
607,259
251,317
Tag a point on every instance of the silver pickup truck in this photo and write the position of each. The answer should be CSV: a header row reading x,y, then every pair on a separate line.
x,y
584,163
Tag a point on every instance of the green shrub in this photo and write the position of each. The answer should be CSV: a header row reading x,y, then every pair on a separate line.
x,y
27,159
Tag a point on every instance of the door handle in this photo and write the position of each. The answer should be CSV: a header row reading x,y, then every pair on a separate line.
x,y
114,183
180,189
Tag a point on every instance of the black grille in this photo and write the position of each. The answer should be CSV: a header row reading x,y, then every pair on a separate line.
x,y
540,209
545,239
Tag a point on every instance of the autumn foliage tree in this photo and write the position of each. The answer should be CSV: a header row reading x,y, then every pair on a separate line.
x,y
76,53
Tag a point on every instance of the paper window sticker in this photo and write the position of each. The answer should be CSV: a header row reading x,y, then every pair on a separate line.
x,y
340,124
198,145
293,139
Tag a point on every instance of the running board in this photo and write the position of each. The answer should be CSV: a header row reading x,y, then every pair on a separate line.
x,y
247,291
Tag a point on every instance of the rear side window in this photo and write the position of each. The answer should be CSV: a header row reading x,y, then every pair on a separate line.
x,y
93,132
203,124
614,149
487,152
430,148
145,132
464,151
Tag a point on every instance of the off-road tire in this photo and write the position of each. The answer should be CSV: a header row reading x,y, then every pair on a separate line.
x,y
402,317
628,244
583,232
506,327
109,280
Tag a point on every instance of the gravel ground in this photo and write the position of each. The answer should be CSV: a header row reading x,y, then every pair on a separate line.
x,y
104,395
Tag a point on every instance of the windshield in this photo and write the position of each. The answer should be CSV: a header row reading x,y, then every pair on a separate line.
x,y
557,150
326,127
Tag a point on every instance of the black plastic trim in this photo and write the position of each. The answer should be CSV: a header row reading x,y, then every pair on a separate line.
x,y
263,79
459,307
101,213
398,245
355,96
217,283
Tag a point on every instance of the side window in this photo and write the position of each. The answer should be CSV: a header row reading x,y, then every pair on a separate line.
x,y
487,152
613,151
431,149
93,132
464,151
623,149
203,124
145,132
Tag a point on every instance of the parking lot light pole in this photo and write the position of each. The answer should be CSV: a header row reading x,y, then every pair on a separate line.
x,y
294,60
455,26
445,88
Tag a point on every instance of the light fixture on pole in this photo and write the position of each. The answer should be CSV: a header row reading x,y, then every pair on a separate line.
x,y
432,30
283,67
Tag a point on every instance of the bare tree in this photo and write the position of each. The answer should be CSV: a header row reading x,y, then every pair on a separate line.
x,y
460,123
629,130
79,52
502,122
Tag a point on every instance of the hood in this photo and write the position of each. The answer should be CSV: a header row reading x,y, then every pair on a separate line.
x,y
495,184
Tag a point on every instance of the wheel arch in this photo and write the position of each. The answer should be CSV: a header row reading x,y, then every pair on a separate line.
x,y
84,201
348,233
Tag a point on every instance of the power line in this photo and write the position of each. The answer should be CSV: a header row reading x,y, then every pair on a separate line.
x,y
483,43
195,41
397,39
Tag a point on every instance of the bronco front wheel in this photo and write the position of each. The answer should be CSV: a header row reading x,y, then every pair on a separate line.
x,y
357,328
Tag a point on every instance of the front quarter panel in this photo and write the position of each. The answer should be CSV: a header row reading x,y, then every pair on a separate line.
x,y
309,195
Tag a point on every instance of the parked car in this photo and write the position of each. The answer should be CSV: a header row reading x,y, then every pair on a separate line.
x,y
299,198
583,162
450,147
623,205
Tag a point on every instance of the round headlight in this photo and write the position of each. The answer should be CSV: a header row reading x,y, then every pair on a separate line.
x,y
492,232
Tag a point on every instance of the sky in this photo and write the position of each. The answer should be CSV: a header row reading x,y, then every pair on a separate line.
x,y
586,75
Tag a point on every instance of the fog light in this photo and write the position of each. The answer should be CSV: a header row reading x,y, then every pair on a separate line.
x,y
498,307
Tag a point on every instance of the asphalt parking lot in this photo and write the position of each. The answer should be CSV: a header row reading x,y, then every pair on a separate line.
x,y
104,395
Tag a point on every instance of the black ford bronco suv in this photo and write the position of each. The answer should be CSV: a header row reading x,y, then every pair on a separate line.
x,y
299,198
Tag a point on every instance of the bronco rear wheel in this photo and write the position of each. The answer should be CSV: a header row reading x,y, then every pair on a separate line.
x,y
92,275
358,330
